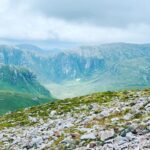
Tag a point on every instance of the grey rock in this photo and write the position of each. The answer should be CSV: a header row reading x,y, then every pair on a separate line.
x,y
107,134
128,116
104,113
88,136
130,136
32,119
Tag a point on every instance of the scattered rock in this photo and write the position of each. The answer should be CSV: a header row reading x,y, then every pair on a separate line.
x,y
104,113
88,136
107,134
92,144
85,128
32,119
75,135
53,113
128,116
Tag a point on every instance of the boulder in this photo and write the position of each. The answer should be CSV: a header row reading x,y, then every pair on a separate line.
x,y
107,134
90,136
32,119
104,113
128,116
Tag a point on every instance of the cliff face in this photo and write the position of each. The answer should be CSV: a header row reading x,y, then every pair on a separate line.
x,y
82,62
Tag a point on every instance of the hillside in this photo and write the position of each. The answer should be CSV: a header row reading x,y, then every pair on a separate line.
x,y
20,80
108,120
11,101
19,89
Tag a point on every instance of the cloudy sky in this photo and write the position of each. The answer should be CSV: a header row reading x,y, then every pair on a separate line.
x,y
81,21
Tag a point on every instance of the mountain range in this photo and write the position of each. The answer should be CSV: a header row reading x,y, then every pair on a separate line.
x,y
91,68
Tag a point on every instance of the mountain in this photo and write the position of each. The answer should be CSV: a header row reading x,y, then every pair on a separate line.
x,y
108,120
49,67
20,80
90,68
19,89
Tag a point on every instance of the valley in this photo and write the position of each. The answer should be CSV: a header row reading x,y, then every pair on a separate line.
x,y
67,73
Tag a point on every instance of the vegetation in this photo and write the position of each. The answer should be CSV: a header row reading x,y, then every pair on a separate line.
x,y
12,101
68,105
20,80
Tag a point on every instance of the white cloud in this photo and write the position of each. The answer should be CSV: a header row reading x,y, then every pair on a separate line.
x,y
20,22
4,5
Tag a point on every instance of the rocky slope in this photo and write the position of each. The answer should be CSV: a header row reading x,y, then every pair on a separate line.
x,y
101,121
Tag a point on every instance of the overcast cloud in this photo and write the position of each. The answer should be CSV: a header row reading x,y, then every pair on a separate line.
x,y
80,21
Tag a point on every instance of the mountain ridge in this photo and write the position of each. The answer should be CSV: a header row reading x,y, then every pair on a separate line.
x,y
109,62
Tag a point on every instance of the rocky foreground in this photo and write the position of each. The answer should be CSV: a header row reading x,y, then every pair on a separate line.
x,y
102,121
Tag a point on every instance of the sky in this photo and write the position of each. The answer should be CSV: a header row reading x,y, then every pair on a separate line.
x,y
75,21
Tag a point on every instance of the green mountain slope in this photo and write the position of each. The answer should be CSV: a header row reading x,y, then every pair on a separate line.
x,y
12,101
19,89
20,80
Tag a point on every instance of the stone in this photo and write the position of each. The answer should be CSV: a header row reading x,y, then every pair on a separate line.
x,y
114,119
104,113
130,136
88,136
107,147
94,106
92,144
75,135
107,134
32,119
147,107
128,116
57,134
1,136
34,141
53,113
41,121
119,140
